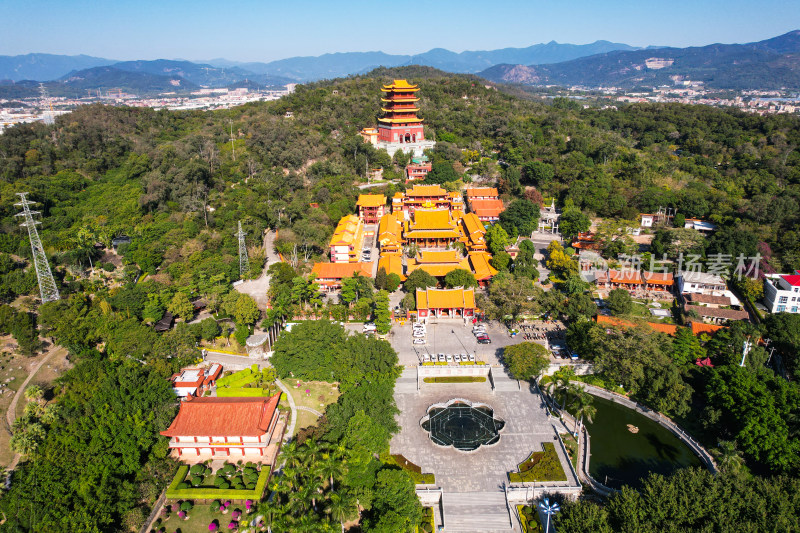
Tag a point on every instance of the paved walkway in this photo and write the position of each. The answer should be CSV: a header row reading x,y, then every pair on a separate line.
x,y
484,471
11,413
257,288
309,410
289,432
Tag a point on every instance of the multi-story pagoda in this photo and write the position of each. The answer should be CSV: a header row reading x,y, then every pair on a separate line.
x,y
400,128
400,124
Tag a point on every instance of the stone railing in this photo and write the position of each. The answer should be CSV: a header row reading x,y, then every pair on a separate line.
x,y
657,417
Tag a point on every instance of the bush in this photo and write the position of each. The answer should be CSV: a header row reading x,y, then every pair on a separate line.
x,y
197,481
186,506
183,485
197,469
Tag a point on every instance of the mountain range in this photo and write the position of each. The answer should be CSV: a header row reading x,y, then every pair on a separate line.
x,y
769,64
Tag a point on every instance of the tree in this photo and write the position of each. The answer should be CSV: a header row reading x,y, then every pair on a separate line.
x,y
497,238
460,278
180,306
526,360
380,279
209,329
419,279
619,302
501,260
580,305
573,221
441,172
537,173
382,315
34,393
241,307
392,282
24,331
396,507
521,215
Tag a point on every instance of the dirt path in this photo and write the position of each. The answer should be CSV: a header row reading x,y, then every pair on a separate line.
x,y
12,409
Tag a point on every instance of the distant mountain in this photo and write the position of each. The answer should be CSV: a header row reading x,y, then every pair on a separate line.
x,y
45,66
105,78
769,64
200,74
336,65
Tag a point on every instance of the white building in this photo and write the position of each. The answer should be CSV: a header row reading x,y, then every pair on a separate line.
x,y
782,293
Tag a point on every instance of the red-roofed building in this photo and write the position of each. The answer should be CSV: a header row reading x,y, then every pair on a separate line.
x,y
700,328
226,428
418,170
330,275
487,210
782,293
195,381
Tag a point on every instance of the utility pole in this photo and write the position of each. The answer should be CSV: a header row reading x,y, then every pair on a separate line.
x,y
244,262
47,285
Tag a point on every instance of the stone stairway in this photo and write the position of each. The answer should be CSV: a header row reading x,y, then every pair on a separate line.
x,y
476,512
503,383
406,384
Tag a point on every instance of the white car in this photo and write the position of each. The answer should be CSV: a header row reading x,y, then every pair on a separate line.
x,y
457,358
472,358
449,358
418,341
418,335
478,329
426,358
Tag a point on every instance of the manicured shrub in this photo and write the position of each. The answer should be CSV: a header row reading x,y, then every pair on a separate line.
x,y
197,469
197,481
186,506
183,485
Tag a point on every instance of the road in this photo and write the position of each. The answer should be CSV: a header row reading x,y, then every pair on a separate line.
x,y
257,288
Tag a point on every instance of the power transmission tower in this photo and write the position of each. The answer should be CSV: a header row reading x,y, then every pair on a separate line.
x,y
48,117
244,262
47,285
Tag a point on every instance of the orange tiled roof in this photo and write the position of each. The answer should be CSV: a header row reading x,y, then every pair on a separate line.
x,y
482,191
223,417
445,298
473,225
347,232
628,277
658,278
371,200
438,256
487,208
401,84
480,265
426,219
341,270
699,328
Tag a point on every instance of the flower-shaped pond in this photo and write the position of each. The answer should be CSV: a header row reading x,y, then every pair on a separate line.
x,y
462,424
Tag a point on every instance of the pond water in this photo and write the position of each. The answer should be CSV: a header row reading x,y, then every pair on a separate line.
x,y
462,425
620,457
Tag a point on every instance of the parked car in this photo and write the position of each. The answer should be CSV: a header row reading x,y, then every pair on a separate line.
x,y
472,358
574,356
418,334
457,357
441,358
426,358
449,358
366,255
419,341
484,339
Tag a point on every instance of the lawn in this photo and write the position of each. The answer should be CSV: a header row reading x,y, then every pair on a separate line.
x,y
540,466
414,470
572,448
320,394
199,517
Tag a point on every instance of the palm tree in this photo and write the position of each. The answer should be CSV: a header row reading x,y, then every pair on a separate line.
x,y
342,507
557,387
291,454
329,467
584,408
311,450
728,456
34,393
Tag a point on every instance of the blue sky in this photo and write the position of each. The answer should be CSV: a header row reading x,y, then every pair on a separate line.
x,y
267,30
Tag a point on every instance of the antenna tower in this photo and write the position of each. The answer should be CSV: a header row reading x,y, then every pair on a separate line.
x,y
47,285
48,110
244,262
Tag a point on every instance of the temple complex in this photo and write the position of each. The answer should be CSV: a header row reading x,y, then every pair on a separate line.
x,y
426,197
371,207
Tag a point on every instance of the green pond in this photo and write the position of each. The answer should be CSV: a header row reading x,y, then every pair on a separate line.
x,y
620,457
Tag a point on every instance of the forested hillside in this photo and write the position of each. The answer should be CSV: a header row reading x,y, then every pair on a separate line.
x,y
177,186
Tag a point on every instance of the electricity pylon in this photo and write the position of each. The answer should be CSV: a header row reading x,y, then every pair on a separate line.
x,y
48,117
244,262
47,285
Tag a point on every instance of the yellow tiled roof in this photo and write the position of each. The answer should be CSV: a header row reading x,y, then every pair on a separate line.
x,y
445,298
393,264
401,84
432,234
480,265
438,256
371,200
432,219
426,190
348,232
473,225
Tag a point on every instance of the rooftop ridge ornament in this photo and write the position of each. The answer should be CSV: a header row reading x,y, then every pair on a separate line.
x,y
47,285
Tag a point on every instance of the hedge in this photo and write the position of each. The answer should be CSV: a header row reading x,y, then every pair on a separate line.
x,y
540,466
455,379
234,392
234,379
532,524
207,493
414,470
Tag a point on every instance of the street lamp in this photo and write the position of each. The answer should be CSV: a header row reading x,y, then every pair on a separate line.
x,y
549,510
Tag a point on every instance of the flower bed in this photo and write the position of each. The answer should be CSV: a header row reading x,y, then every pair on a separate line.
x,y
540,466
529,518
455,379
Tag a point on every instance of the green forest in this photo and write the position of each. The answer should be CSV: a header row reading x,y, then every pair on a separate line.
x,y
177,185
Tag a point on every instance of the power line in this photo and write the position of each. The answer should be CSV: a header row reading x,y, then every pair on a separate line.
x,y
47,285
244,262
